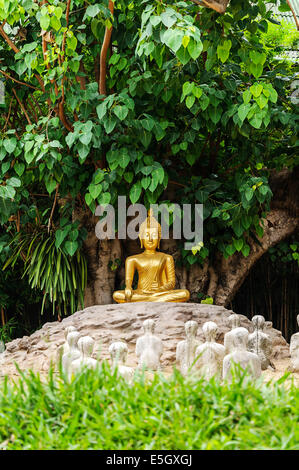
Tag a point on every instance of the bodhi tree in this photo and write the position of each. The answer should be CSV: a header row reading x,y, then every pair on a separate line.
x,y
158,101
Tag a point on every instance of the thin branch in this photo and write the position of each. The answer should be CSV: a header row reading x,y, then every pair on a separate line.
x,y
16,50
8,116
53,207
103,56
18,81
294,14
22,106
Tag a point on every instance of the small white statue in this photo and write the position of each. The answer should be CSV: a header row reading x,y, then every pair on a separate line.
x,y
210,354
240,356
234,321
118,352
64,348
294,350
149,347
185,351
85,361
260,343
72,354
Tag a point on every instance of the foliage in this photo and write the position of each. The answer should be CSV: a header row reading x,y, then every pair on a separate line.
x,y
6,331
96,411
196,102
61,277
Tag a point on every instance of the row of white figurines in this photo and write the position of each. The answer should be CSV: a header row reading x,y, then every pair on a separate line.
x,y
249,351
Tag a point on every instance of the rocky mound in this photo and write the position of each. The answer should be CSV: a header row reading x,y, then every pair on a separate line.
x,y
107,323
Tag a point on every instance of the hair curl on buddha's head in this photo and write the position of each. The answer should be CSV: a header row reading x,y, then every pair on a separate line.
x,y
149,222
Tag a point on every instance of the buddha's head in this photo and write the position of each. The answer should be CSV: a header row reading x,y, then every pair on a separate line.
x,y
240,338
86,345
191,328
234,320
68,330
150,232
258,322
118,352
72,339
209,330
149,326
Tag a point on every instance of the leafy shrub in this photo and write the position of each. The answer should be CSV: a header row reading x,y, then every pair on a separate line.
x,y
96,411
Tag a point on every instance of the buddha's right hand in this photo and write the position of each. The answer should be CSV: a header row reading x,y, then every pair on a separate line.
x,y
128,294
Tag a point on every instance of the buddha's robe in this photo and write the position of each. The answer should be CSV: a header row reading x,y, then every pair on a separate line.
x,y
156,279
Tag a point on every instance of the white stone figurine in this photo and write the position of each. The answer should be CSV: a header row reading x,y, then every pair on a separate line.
x,y
72,354
210,354
118,353
64,348
294,350
260,343
240,357
85,361
234,321
149,347
185,351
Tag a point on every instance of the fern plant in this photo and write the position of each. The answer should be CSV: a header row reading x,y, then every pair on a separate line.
x,y
61,277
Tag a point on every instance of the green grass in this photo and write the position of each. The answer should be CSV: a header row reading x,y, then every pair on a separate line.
x,y
100,411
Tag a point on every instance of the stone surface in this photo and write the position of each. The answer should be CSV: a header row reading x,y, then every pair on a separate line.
x,y
108,323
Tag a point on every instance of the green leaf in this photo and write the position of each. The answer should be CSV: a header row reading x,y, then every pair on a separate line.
x,y
194,48
190,101
101,110
19,168
215,114
245,250
173,39
15,182
249,194
238,244
95,190
256,69
183,55
243,110
135,192
45,22
10,144
237,227
223,50
121,112
71,247
50,185
256,89
92,10
109,124
246,96
60,236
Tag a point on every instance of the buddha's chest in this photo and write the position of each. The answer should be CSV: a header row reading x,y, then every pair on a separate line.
x,y
155,263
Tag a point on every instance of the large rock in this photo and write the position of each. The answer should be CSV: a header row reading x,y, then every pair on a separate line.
x,y
107,323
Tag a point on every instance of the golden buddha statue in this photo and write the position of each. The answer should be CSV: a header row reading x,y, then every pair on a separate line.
x,y
156,272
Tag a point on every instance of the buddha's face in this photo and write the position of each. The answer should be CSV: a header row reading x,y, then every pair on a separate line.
x,y
150,238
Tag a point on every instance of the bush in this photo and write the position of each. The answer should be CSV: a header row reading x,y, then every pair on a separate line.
x,y
96,411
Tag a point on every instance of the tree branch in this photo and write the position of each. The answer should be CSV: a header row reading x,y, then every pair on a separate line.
x,y
103,56
294,14
22,106
17,81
